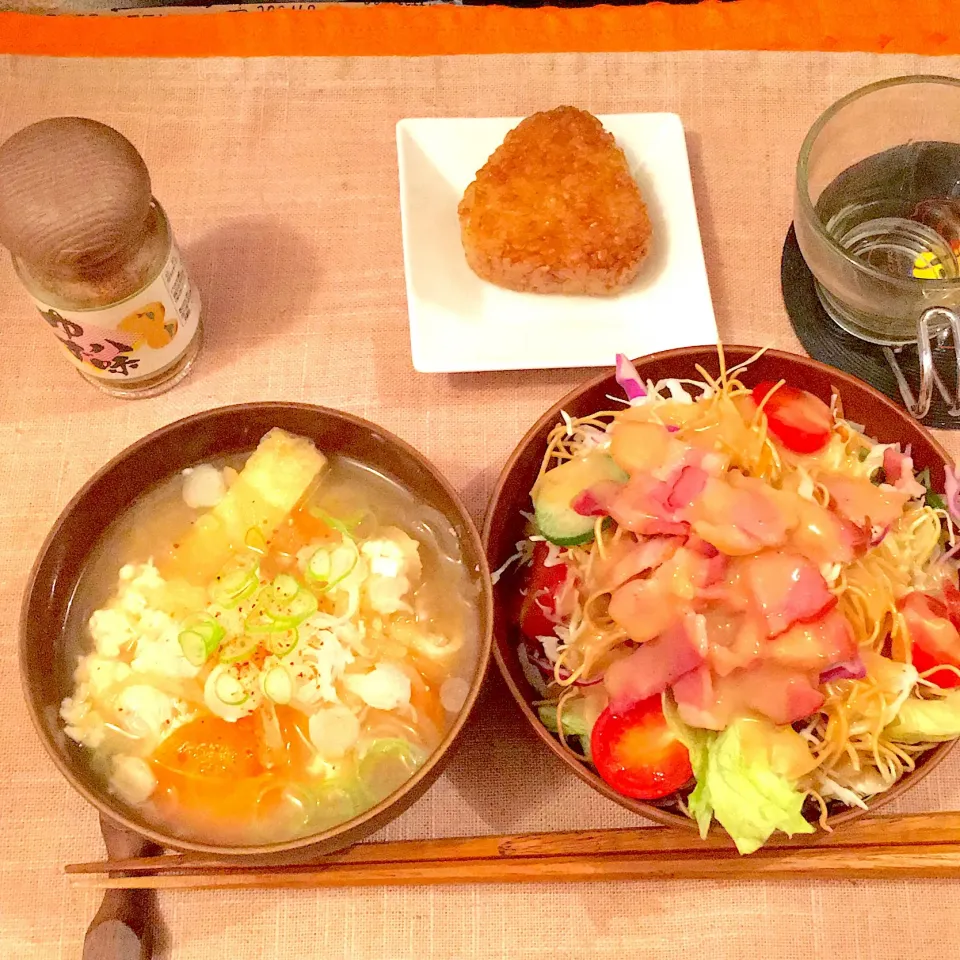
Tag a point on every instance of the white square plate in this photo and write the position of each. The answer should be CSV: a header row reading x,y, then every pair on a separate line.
x,y
459,322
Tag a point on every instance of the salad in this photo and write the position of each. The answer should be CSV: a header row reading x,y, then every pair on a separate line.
x,y
735,602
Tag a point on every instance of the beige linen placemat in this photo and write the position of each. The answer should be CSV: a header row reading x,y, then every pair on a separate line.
x,y
280,177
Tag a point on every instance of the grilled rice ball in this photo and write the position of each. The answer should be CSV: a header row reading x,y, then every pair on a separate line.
x,y
555,210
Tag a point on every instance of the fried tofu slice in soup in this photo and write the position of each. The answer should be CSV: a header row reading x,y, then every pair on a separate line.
x,y
273,481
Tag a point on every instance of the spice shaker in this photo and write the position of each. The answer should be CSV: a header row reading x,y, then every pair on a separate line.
x,y
96,253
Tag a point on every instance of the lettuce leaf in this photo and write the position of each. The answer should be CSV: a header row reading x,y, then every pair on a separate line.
x,y
699,803
741,789
926,721
932,499
698,743
750,799
574,722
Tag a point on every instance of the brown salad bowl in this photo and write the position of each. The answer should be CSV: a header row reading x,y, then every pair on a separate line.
x,y
506,525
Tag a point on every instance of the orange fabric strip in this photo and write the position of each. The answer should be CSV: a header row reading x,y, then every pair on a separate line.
x,y
922,26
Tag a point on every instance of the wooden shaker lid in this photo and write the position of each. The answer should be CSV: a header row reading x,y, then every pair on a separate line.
x,y
74,195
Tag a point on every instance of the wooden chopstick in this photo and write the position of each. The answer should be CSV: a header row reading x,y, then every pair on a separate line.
x,y
941,861
880,846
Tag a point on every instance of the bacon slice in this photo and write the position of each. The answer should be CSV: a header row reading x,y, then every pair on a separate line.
x,y
814,646
783,695
629,558
863,503
742,519
640,507
787,588
595,501
765,514
822,536
898,468
689,574
697,701
653,666
686,487
644,608
655,507
735,638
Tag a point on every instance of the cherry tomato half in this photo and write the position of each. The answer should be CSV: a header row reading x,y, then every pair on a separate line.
x,y
543,586
637,753
934,640
799,420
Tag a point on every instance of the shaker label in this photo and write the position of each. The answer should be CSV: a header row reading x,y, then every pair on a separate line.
x,y
132,340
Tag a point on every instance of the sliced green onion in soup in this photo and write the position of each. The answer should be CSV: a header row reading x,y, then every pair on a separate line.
x,y
238,580
318,568
288,806
238,648
277,684
303,605
281,588
327,568
358,524
332,522
282,644
286,602
259,623
199,638
230,690
262,623
335,801
387,764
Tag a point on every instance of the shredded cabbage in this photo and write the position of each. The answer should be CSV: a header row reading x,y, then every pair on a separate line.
x,y
532,675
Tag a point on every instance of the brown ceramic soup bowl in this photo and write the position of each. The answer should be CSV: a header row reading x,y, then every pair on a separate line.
x,y
504,524
44,645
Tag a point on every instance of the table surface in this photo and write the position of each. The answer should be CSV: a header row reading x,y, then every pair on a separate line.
x,y
280,178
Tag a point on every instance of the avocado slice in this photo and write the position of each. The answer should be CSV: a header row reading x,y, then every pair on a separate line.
x,y
558,488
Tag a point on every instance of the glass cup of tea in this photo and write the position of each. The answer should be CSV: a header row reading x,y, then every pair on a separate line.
x,y
877,218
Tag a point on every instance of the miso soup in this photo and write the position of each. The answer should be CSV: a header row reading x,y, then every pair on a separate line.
x,y
267,646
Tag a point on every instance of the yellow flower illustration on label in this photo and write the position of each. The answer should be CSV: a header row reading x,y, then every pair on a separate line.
x,y
928,266
149,325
